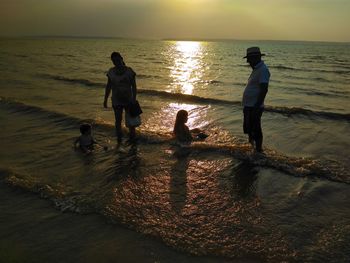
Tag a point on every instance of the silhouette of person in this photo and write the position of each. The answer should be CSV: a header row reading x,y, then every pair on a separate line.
x,y
124,164
122,83
181,131
254,96
244,181
178,180
85,141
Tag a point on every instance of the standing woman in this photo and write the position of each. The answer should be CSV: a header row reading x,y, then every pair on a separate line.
x,y
121,80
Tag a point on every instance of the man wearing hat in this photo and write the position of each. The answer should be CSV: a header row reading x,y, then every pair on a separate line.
x,y
254,96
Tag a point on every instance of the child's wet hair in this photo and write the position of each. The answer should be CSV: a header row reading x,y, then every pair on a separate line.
x,y
181,116
181,119
85,127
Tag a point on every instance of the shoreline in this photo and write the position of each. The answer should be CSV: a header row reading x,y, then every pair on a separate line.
x,y
34,231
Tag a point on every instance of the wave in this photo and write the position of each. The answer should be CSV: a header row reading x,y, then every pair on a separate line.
x,y
289,111
240,151
72,121
285,68
214,82
321,79
63,201
53,116
96,84
175,211
21,56
187,98
164,195
172,205
340,72
296,166
281,67
144,76
137,205
292,87
63,55
73,80
317,58
203,100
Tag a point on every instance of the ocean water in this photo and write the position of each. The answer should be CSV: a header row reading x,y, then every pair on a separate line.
x,y
216,199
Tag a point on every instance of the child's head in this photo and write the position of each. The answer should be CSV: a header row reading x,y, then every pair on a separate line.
x,y
85,128
181,117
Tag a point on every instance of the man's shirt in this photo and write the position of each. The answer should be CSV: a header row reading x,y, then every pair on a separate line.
x,y
260,74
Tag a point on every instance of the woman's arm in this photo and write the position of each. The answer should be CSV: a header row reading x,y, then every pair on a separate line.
x,y
107,92
133,87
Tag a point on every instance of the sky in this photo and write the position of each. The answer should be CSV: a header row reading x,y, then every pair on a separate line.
x,y
311,20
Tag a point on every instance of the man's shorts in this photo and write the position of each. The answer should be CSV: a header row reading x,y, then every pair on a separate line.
x,y
252,120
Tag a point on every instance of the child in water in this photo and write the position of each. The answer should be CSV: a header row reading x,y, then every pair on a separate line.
x,y
85,140
182,133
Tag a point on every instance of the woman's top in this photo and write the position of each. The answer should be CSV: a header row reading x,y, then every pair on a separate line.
x,y
121,84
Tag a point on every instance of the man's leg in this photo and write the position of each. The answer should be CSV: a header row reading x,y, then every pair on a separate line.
x,y
118,114
257,130
247,124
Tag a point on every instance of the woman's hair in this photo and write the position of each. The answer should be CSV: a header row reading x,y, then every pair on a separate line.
x,y
181,118
116,55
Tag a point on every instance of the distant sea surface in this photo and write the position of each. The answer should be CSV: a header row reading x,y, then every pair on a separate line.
x,y
215,199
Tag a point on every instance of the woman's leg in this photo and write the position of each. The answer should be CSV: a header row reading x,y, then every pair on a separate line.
x,y
118,114
132,133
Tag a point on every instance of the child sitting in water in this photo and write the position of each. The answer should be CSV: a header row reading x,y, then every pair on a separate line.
x,y
182,133
85,140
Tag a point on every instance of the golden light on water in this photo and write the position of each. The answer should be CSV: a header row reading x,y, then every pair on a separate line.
x,y
196,116
187,68
164,119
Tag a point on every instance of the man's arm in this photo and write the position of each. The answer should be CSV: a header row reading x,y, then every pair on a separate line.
x,y
107,92
133,88
262,94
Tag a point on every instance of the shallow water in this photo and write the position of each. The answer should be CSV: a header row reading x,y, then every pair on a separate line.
x,y
31,231
213,199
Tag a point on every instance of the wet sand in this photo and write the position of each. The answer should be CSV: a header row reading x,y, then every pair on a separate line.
x,y
32,231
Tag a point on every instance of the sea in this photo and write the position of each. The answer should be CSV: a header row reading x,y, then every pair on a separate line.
x,y
155,201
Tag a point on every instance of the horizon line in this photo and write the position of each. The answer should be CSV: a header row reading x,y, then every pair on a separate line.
x,y
170,38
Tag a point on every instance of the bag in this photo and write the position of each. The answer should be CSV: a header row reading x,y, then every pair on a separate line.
x,y
135,109
131,121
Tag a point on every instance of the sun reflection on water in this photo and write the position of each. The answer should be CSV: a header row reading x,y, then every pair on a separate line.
x,y
188,66
164,119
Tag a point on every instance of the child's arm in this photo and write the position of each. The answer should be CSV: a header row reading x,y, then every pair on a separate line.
x,y
105,147
85,149
76,142
196,130
198,135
